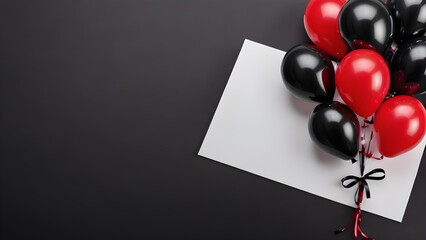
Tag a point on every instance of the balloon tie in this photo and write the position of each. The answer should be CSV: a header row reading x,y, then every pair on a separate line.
x,y
369,155
350,181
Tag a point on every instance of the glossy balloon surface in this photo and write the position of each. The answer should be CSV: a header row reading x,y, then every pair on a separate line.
x,y
399,125
409,17
366,24
408,68
321,21
362,80
335,129
308,73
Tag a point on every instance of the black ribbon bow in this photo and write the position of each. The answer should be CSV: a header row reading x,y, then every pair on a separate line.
x,y
350,181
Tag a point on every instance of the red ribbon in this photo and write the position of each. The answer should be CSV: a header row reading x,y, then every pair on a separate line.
x,y
362,183
356,217
369,155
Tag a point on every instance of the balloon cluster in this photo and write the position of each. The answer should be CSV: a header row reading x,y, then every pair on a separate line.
x,y
374,80
380,53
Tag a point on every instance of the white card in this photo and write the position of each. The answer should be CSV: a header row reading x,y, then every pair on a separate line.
x,y
261,128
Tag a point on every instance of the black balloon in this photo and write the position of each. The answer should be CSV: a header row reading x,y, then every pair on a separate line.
x,y
408,68
335,129
409,17
366,24
308,73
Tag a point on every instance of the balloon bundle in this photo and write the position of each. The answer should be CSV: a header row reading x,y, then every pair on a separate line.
x,y
380,51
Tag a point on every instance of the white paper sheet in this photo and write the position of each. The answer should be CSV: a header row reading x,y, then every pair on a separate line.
x,y
261,128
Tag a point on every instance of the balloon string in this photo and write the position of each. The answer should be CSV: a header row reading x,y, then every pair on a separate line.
x,y
356,217
366,124
367,153
364,153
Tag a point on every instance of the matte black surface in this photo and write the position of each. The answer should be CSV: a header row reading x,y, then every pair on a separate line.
x,y
408,17
335,129
366,24
104,105
308,73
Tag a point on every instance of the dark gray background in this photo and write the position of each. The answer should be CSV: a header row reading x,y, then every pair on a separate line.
x,y
104,105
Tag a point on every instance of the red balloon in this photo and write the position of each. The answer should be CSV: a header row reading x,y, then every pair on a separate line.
x,y
362,80
321,21
399,125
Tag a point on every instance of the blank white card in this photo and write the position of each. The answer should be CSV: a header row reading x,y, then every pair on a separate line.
x,y
261,128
